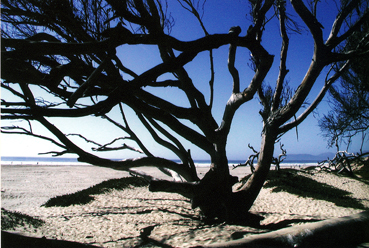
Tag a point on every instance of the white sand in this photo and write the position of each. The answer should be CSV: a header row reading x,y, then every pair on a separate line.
x,y
115,219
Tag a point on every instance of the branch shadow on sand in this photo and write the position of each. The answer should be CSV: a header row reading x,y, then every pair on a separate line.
x,y
293,182
85,196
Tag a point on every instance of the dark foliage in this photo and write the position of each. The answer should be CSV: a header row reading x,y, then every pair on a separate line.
x,y
349,100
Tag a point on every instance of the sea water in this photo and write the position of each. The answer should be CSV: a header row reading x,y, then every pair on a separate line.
x,y
63,161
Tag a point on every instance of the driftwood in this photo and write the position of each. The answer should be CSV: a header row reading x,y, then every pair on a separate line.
x,y
342,162
250,161
348,231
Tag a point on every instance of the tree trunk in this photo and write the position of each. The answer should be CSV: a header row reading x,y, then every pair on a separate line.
x,y
215,189
246,196
213,193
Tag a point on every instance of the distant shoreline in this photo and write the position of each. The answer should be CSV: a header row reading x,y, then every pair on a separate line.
x,y
198,165
297,159
60,161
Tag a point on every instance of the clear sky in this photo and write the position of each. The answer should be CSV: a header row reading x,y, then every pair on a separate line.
x,y
246,128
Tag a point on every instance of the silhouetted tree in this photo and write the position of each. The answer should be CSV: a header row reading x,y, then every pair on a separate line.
x,y
68,49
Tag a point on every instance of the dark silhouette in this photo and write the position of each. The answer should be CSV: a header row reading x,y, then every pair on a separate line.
x,y
68,49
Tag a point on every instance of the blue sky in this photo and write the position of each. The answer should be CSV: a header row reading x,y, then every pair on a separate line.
x,y
246,128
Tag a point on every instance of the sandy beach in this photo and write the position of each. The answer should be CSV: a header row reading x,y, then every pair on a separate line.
x,y
117,217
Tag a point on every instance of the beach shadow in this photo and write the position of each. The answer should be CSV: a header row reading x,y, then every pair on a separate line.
x,y
85,196
290,181
11,240
12,219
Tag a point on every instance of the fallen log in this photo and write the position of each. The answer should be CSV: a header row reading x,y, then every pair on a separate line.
x,y
348,231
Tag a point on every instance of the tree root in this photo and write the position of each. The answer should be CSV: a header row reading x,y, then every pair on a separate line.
x,y
216,202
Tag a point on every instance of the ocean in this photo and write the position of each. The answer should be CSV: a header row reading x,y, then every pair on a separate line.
x,y
60,161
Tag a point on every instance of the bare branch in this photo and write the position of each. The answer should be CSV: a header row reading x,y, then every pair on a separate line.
x,y
212,78
55,153
281,157
259,13
310,20
117,165
282,66
88,83
156,137
14,92
23,131
104,148
129,131
25,48
333,39
231,60
250,160
265,61
315,103
84,138
192,9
